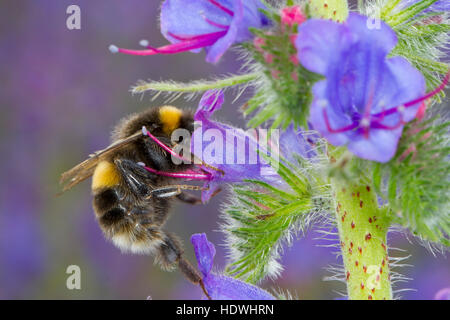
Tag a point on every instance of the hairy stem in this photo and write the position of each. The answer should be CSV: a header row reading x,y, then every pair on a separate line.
x,y
362,231
197,86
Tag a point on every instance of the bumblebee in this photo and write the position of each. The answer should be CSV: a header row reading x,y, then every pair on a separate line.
x,y
134,182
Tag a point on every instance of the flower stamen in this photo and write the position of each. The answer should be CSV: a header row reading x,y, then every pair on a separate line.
x,y
189,174
215,24
194,175
188,43
221,7
415,101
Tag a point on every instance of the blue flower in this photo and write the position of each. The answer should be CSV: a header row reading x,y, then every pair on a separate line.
x,y
217,145
232,155
221,287
211,24
366,97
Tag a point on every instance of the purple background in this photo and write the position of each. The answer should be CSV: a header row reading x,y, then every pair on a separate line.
x,y
61,93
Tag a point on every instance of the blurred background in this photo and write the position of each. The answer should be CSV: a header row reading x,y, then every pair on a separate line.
x,y
61,92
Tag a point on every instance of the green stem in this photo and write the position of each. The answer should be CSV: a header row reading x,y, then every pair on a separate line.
x,y
197,86
336,10
362,231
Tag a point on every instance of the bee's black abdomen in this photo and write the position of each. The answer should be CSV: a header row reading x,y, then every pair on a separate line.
x,y
112,217
105,200
107,207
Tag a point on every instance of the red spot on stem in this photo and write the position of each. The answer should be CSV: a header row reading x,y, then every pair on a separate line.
x,y
368,236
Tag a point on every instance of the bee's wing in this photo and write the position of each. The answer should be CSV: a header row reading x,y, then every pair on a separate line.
x,y
86,168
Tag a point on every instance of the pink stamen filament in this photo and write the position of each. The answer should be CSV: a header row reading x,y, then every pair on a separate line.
x,y
180,175
162,145
186,44
415,101
173,153
197,37
377,123
221,7
215,24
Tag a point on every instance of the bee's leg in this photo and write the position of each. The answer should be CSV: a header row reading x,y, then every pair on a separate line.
x,y
191,199
171,254
166,192
176,191
135,176
173,190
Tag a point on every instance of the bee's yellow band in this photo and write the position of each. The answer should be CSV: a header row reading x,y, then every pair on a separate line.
x,y
170,118
105,175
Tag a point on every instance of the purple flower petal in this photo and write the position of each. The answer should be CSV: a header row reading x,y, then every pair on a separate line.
x,y
217,144
221,287
227,288
183,19
349,106
204,251
443,294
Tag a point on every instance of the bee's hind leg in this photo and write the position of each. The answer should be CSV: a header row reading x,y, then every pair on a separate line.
x,y
176,191
135,176
173,191
170,255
